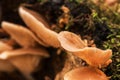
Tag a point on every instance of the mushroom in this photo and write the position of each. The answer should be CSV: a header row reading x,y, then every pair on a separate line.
x,y
95,57
21,35
92,55
85,73
70,41
39,26
25,59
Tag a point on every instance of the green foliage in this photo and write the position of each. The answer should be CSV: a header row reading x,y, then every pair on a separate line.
x,y
114,39
114,44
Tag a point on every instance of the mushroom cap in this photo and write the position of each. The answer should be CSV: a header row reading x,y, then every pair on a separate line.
x,y
85,73
70,41
20,34
94,56
39,27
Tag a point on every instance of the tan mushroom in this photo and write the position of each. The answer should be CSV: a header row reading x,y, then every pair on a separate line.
x,y
85,73
25,59
95,57
70,41
21,35
39,26
92,55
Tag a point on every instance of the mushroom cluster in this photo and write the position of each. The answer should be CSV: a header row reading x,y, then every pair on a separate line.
x,y
31,40
35,37
94,57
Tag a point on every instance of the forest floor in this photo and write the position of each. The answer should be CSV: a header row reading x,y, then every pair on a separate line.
x,y
94,21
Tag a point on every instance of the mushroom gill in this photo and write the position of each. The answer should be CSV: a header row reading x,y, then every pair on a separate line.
x,y
85,73
25,59
40,27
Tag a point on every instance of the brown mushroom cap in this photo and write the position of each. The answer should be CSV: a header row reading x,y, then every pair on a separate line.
x,y
94,56
85,73
70,41
40,28
20,34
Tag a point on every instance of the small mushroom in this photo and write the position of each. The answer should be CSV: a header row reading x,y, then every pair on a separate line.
x,y
25,59
70,41
20,34
85,73
95,57
39,26
92,55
